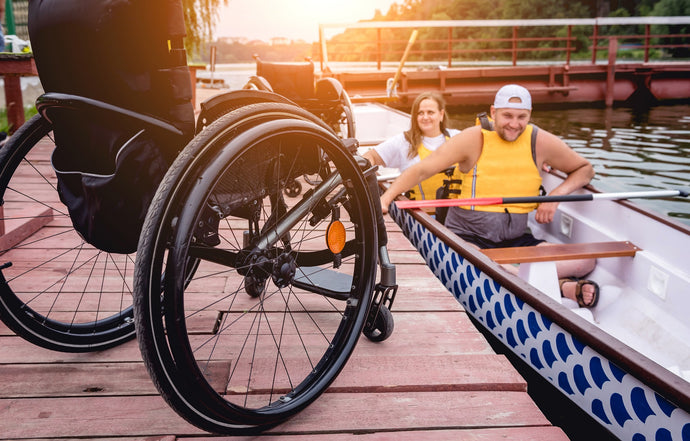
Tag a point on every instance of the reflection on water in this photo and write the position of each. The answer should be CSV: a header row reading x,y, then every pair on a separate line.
x,y
630,150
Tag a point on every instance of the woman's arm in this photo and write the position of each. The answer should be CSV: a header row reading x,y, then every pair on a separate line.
x,y
462,149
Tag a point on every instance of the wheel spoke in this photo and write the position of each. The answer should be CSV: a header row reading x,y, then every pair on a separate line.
x,y
58,291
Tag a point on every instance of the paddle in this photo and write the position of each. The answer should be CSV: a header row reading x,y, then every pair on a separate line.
x,y
538,199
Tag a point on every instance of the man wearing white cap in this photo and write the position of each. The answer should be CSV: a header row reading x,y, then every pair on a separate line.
x,y
505,161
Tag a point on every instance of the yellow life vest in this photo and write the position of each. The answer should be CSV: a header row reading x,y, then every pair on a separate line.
x,y
504,169
427,188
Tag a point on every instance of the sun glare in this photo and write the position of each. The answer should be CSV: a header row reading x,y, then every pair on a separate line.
x,y
296,19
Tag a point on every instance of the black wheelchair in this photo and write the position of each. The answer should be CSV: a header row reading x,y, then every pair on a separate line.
x,y
325,97
246,303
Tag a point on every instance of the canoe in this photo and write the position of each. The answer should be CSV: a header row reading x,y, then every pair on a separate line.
x,y
625,362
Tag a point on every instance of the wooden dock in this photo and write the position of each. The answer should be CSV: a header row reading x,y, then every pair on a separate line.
x,y
435,378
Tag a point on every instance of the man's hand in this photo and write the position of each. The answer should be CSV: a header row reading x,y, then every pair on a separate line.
x,y
545,212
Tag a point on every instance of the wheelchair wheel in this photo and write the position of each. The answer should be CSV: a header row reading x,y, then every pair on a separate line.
x,y
218,105
347,118
56,290
257,83
335,107
273,310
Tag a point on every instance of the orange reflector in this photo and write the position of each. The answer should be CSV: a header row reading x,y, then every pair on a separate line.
x,y
335,237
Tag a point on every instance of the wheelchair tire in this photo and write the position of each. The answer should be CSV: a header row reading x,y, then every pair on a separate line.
x,y
223,103
258,83
75,298
225,361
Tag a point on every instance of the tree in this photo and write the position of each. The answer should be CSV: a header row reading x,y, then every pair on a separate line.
x,y
673,8
200,19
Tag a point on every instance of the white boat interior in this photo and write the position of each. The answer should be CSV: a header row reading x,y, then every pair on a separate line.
x,y
644,299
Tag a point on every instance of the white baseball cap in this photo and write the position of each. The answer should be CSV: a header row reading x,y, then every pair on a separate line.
x,y
506,93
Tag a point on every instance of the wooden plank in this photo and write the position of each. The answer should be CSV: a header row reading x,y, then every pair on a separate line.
x,y
17,64
4,330
90,417
421,343
409,300
428,322
363,373
570,251
19,224
532,433
15,350
403,374
358,413
331,413
398,373
83,379
402,257
75,379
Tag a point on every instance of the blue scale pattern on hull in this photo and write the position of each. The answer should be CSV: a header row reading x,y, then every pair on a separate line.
x,y
620,402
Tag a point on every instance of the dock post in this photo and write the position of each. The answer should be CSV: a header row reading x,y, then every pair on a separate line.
x,y
378,46
568,46
450,47
611,71
324,49
595,41
646,43
514,44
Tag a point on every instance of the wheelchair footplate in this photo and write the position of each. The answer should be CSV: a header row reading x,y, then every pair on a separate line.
x,y
329,283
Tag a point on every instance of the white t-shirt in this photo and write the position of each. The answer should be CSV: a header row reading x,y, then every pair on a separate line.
x,y
394,150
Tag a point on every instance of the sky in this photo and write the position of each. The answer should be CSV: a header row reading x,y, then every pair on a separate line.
x,y
293,19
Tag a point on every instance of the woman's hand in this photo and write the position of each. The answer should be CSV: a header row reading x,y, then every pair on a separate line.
x,y
385,202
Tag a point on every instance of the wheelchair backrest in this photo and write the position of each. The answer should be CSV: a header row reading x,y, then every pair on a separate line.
x,y
128,54
294,81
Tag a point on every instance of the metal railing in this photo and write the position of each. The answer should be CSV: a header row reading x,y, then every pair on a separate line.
x,y
512,39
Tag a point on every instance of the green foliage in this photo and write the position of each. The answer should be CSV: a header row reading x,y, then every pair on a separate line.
x,y
241,53
200,19
672,8
469,43
4,125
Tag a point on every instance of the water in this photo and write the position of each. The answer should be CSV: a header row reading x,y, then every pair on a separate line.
x,y
631,150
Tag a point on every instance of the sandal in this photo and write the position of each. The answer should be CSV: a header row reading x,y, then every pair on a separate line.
x,y
578,290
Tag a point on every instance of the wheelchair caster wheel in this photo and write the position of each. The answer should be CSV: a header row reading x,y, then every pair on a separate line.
x,y
382,327
293,189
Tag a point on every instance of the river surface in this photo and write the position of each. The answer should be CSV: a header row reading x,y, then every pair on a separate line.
x,y
631,150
